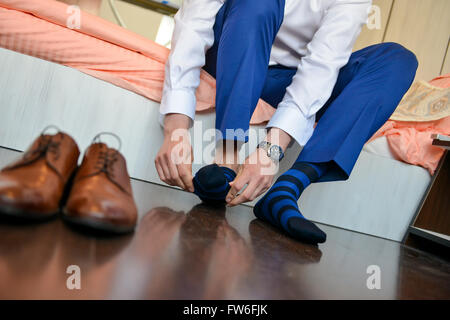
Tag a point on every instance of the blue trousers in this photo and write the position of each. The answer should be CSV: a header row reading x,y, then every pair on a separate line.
x,y
367,91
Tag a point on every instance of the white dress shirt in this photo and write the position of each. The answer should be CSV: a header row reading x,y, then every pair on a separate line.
x,y
316,37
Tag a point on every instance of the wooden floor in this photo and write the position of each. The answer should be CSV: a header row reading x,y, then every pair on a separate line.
x,y
184,250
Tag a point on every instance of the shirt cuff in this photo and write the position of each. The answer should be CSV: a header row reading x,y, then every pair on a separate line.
x,y
177,101
291,120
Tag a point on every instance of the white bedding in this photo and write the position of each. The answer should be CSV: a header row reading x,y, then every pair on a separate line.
x,y
380,147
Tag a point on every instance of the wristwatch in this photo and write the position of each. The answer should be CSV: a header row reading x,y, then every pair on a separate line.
x,y
274,152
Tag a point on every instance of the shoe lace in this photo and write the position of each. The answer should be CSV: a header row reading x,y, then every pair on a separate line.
x,y
46,145
105,162
107,158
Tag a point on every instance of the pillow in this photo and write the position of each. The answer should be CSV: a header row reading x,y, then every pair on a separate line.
x,y
423,102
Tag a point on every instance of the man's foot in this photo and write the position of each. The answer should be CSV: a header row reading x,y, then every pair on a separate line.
x,y
279,205
212,183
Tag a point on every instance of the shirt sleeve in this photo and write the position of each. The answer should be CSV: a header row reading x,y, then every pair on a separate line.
x,y
193,35
327,53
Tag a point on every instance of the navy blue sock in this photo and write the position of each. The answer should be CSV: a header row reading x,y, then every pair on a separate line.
x,y
279,205
211,183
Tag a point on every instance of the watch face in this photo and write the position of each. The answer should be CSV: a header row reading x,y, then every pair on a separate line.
x,y
275,152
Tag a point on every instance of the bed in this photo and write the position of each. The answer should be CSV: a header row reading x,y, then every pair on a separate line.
x,y
380,198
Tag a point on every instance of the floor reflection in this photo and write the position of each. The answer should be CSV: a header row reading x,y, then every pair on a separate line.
x,y
216,251
176,255
34,260
207,253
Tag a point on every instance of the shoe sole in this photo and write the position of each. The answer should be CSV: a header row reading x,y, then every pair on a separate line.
x,y
20,215
91,225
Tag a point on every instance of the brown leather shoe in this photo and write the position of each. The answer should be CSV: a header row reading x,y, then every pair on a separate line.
x,y
101,197
33,186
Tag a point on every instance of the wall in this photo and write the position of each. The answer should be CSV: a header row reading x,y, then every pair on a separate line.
x,y
91,6
423,26
139,20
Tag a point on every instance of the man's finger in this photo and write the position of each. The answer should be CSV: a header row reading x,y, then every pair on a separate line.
x,y
160,171
185,173
260,189
236,186
175,176
245,195
165,170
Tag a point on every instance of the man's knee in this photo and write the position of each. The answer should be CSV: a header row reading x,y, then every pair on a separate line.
x,y
400,57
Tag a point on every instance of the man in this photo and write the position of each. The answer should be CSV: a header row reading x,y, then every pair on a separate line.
x,y
297,56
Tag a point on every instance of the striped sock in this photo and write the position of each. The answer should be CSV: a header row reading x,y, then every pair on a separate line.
x,y
279,205
212,183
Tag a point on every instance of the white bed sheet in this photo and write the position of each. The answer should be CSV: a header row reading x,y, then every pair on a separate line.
x,y
380,147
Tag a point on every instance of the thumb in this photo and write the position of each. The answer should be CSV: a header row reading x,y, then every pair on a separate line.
x,y
236,186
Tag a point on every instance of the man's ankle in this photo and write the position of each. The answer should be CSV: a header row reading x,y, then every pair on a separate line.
x,y
232,166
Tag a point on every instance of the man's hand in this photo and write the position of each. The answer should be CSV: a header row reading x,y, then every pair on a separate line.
x,y
257,172
174,159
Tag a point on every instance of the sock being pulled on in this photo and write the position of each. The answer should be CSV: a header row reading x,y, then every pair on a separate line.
x,y
212,183
279,205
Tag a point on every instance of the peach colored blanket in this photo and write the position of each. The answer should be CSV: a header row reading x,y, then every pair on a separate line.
x,y
42,28
411,141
